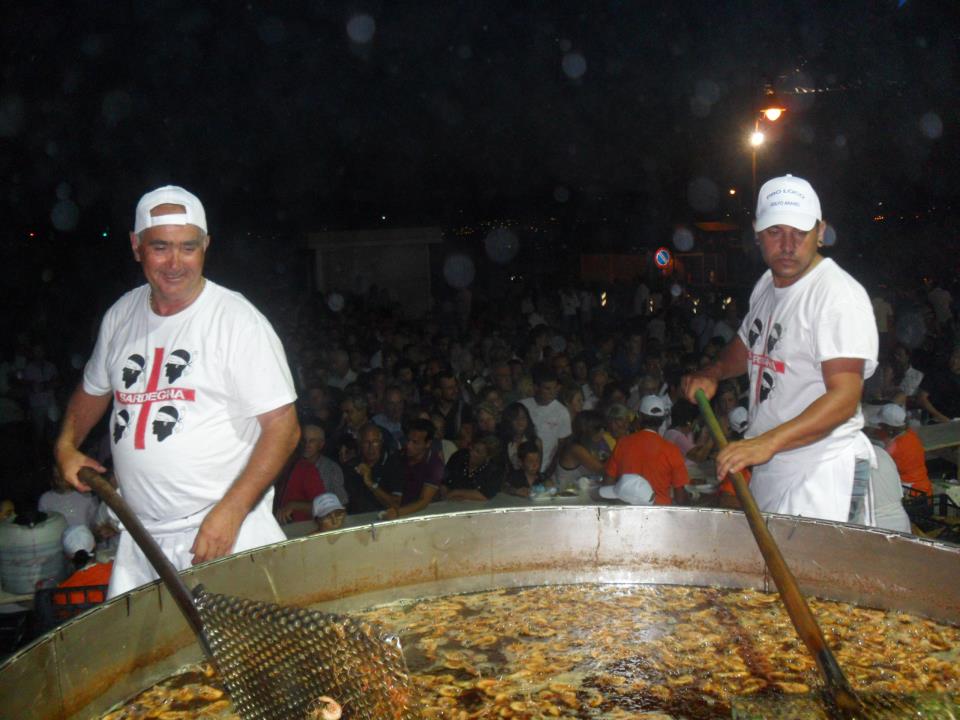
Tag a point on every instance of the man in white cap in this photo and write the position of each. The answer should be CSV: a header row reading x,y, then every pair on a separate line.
x,y
202,491
645,453
808,342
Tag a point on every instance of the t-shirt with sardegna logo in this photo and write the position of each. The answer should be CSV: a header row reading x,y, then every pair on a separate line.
x,y
187,390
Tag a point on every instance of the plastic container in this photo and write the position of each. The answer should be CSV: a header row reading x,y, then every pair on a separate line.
x,y
31,551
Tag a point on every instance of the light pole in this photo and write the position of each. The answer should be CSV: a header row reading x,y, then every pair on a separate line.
x,y
771,112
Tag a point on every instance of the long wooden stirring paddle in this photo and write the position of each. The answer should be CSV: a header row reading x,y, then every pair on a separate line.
x,y
838,689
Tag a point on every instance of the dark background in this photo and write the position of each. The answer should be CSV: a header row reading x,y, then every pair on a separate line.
x,y
609,122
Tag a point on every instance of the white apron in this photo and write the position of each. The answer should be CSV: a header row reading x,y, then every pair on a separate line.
x,y
820,489
175,538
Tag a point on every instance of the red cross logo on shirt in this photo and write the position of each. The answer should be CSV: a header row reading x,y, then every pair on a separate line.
x,y
151,395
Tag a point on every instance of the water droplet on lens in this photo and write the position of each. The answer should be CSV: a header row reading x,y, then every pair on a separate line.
x,y
361,28
574,65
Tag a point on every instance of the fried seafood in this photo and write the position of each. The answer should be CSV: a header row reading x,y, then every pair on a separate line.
x,y
624,651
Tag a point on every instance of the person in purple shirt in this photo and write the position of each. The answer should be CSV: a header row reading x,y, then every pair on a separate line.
x,y
422,473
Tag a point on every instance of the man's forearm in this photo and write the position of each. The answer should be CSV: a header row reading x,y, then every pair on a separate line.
x,y
821,417
280,433
731,363
82,413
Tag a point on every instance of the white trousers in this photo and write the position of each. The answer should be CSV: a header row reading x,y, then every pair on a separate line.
x,y
175,538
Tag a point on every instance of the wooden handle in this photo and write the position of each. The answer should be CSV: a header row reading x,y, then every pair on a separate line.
x,y
165,569
797,608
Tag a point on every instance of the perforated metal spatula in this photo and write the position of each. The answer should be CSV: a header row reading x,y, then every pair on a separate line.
x,y
276,661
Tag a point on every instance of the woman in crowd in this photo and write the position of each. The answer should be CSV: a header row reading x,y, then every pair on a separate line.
x,y
575,456
517,427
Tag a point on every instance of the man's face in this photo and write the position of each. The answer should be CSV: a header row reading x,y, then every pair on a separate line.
x,y
503,378
547,392
417,445
561,366
449,389
354,415
313,442
393,404
371,447
789,252
332,521
531,463
955,362
172,258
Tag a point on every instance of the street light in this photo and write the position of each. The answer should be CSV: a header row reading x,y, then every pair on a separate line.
x,y
771,112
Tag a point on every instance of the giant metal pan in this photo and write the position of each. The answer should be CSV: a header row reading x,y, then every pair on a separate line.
x,y
124,646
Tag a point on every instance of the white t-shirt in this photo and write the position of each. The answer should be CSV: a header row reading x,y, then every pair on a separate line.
x,y
789,332
187,390
911,381
78,508
552,423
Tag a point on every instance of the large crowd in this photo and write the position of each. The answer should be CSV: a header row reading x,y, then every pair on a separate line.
x,y
525,395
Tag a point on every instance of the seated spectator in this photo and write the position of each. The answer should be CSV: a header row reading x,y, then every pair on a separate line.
x,y
476,473
550,417
328,512
486,419
341,374
576,459
907,377
79,545
355,416
421,473
905,448
451,405
572,398
501,377
445,448
939,393
619,422
304,483
525,480
593,389
373,475
694,442
630,489
646,453
516,428
77,507
391,419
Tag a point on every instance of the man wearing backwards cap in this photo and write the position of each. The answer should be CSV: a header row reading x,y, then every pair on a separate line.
x,y
210,419
808,342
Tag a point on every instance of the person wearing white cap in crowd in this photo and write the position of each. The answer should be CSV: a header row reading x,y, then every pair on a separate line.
x,y
78,545
738,419
645,453
215,390
632,489
905,447
328,512
807,343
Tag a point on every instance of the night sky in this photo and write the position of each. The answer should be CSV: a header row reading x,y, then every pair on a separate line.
x,y
297,116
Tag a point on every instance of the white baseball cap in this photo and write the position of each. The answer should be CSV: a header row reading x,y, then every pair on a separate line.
x,y
738,419
193,213
893,415
787,200
77,538
631,488
653,405
325,504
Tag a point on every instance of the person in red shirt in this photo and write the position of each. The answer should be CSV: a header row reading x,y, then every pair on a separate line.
x,y
905,447
305,483
646,453
79,545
